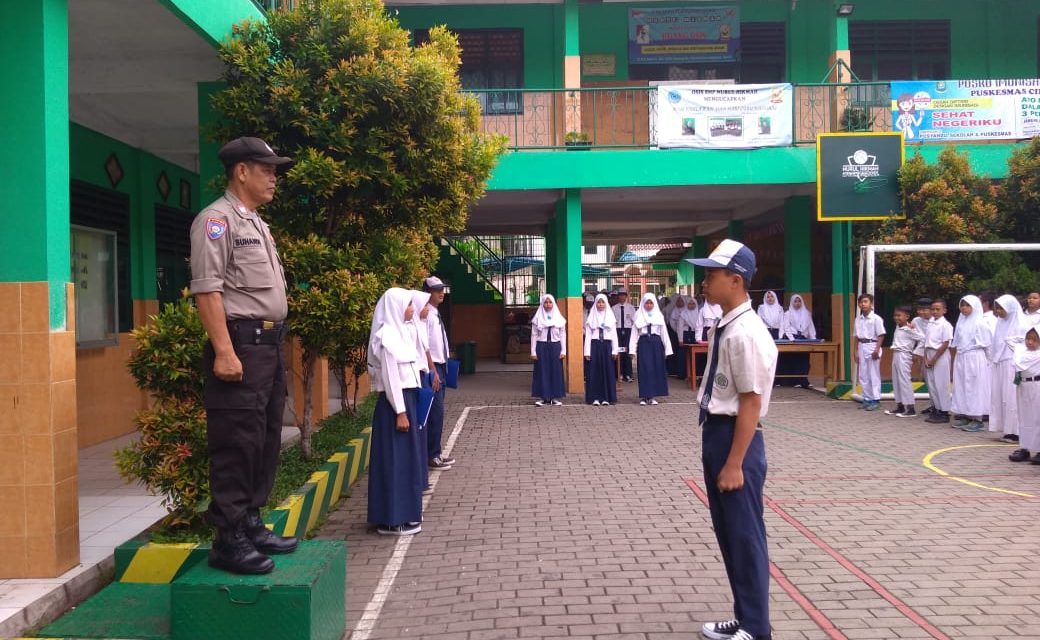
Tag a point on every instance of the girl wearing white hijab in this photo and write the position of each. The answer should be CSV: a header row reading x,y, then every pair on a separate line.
x,y
772,313
601,350
796,325
1010,331
548,349
419,301
1027,365
690,322
709,314
395,362
650,344
971,372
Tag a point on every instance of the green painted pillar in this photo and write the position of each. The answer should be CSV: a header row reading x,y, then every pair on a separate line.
x,y
688,273
552,252
735,230
209,166
570,28
569,245
798,216
34,148
841,292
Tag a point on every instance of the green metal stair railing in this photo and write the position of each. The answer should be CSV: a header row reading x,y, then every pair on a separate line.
x,y
486,265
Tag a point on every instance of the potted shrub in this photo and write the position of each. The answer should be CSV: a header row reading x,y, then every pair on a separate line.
x,y
855,119
577,141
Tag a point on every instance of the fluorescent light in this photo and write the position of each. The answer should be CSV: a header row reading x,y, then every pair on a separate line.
x,y
846,9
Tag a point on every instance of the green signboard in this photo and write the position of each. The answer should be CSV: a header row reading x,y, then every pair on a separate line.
x,y
857,176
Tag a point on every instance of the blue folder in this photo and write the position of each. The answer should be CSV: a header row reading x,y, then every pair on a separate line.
x,y
451,369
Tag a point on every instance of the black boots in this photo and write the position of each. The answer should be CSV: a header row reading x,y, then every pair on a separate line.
x,y
234,552
263,538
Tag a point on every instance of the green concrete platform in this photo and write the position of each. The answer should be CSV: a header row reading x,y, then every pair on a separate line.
x,y
125,610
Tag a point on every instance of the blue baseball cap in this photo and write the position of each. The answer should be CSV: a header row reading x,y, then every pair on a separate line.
x,y
732,256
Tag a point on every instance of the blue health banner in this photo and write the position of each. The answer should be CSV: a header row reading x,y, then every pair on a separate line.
x,y
683,35
966,109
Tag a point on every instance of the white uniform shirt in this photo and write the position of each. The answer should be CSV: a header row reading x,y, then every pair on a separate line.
x,y
438,341
394,377
1032,319
747,362
939,331
544,334
870,326
990,320
908,339
624,314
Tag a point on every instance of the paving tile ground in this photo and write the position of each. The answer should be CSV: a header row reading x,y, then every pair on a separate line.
x,y
587,522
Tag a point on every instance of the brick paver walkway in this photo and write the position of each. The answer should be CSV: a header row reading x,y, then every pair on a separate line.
x,y
587,522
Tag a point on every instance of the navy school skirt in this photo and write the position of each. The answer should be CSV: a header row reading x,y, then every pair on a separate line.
x,y
601,383
395,478
653,379
548,372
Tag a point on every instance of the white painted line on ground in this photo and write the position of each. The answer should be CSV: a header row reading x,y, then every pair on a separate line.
x,y
368,620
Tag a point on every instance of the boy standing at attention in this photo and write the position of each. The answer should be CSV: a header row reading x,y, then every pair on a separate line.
x,y
733,398
907,344
937,363
870,333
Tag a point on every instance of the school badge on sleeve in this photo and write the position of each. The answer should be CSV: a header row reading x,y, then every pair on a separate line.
x,y
215,228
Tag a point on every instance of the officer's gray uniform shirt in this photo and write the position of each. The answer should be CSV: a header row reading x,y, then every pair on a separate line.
x,y
232,252
747,362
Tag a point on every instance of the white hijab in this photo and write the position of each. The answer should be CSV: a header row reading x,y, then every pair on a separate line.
x,y
643,317
390,331
970,329
419,300
1009,331
771,314
799,320
691,317
1026,361
601,319
552,319
676,311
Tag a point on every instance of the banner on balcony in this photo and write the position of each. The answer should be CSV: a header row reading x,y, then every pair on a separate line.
x,y
683,34
734,116
966,109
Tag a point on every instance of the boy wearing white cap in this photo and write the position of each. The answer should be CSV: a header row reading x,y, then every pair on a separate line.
x,y
733,398
439,351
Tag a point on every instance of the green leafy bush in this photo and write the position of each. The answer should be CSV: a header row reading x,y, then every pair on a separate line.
x,y
170,455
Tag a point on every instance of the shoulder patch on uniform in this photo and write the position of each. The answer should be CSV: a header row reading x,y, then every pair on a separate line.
x,y
215,228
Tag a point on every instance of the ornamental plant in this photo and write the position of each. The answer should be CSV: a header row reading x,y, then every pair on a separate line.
x,y
169,456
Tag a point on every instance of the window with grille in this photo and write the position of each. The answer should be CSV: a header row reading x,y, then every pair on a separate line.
x,y
172,251
100,263
491,59
900,49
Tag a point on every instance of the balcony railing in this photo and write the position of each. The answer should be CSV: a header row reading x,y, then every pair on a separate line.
x,y
626,117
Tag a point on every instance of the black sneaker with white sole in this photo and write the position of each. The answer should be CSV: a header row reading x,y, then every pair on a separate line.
x,y
439,463
720,630
407,529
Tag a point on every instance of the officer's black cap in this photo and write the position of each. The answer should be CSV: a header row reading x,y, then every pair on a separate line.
x,y
248,149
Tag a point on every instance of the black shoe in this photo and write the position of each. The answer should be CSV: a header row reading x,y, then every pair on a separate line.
x,y
936,417
234,552
1035,459
895,412
907,413
929,411
1019,455
265,540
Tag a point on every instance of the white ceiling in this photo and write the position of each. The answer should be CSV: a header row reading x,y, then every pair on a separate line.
x,y
641,214
133,69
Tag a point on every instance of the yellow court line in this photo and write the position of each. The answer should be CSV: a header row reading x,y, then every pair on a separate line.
x,y
927,462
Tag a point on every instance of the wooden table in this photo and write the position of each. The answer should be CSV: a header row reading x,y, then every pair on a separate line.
x,y
829,350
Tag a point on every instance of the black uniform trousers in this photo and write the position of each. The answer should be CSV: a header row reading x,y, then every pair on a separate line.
x,y
244,423
737,519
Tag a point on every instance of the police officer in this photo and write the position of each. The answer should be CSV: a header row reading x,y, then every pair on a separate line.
x,y
733,398
239,287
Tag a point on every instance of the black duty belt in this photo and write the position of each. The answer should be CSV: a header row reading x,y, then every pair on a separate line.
x,y
256,331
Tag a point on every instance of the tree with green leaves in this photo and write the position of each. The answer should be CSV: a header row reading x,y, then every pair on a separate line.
x,y
943,202
1020,198
388,154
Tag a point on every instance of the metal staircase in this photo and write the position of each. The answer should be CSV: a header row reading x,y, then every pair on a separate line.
x,y
507,268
